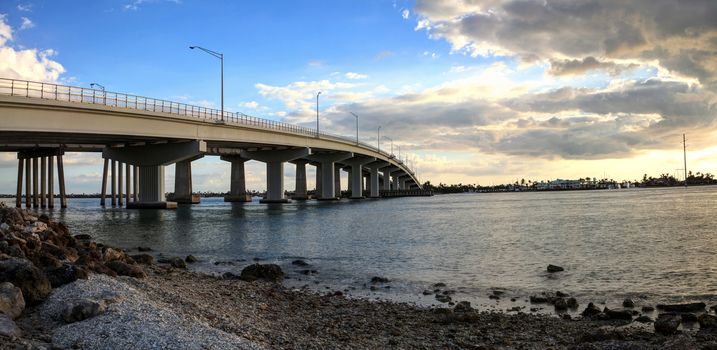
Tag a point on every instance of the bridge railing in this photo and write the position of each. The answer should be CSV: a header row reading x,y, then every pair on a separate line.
x,y
57,92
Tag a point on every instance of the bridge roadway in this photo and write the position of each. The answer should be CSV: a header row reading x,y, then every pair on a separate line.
x,y
41,121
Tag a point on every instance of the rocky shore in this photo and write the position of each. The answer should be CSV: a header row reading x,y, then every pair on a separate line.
x,y
60,291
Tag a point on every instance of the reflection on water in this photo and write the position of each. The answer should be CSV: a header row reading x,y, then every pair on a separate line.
x,y
658,243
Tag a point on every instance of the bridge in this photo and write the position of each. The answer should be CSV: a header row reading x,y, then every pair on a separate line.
x,y
42,121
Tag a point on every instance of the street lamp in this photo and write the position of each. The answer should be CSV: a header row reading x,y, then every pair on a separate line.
x,y
354,114
378,139
390,139
104,97
220,56
317,113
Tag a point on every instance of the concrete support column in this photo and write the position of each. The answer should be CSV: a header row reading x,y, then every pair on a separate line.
x,y
151,185
337,181
103,193
34,183
300,186
135,183
237,181
328,181
43,182
51,182
119,184
317,190
387,173
28,182
61,180
18,196
356,174
113,183
275,170
128,182
183,183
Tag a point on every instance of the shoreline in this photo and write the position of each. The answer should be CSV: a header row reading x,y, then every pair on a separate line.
x,y
164,305
268,315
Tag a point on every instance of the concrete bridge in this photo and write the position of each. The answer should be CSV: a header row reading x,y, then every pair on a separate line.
x,y
41,121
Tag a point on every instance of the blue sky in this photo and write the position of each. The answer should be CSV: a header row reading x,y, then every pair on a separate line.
x,y
480,91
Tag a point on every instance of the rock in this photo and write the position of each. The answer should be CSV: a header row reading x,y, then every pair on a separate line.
x,y
11,301
11,216
572,303
560,294
308,272
190,259
560,304
230,276
112,254
299,262
82,310
538,299
498,292
377,279
628,303
644,319
555,268
67,273
493,296
144,249
125,269
688,317
590,310
427,292
618,314
144,259
689,307
439,285
8,328
23,274
707,321
44,218
443,298
463,306
667,324
266,272
174,262
83,237
648,309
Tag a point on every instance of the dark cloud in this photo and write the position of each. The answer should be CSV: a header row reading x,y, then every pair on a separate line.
x,y
679,35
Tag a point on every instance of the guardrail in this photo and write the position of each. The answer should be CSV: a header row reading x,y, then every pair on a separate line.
x,y
51,91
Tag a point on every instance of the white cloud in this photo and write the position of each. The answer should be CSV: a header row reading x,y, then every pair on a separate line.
x,y
24,7
355,76
250,104
137,4
405,13
26,23
28,64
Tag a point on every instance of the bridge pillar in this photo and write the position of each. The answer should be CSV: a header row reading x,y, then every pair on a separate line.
x,y
300,186
237,186
275,160
387,176
317,190
356,174
374,177
151,160
182,183
38,167
328,162
337,181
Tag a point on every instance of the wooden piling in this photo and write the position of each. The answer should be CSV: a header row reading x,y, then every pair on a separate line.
x,y
128,183
113,183
28,182
119,184
135,182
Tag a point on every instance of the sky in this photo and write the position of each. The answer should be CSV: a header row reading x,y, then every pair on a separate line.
x,y
472,91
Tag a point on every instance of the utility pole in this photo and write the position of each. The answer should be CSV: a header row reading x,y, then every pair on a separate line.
x,y
684,155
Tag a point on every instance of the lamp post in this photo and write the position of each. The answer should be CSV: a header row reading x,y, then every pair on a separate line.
x,y
378,139
317,113
356,116
104,98
390,139
220,56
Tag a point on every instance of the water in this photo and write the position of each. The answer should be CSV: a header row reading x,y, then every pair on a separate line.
x,y
652,244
